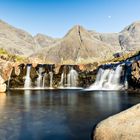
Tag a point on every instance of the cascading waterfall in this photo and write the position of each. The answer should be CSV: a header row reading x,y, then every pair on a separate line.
x,y
72,78
44,78
51,76
27,83
69,80
62,80
126,81
8,84
51,79
39,79
108,79
103,78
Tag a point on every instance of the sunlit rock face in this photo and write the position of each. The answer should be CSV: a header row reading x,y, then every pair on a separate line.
x,y
2,85
129,38
134,78
135,70
123,126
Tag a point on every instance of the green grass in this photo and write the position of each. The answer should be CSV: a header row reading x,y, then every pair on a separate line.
x,y
11,57
2,51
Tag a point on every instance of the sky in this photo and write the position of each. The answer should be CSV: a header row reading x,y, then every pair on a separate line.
x,y
55,17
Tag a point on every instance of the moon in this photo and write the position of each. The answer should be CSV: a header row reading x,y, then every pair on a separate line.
x,y
109,17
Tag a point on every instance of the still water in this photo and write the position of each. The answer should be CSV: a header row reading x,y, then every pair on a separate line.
x,y
57,114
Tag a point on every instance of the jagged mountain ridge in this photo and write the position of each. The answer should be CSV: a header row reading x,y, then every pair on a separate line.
x,y
77,45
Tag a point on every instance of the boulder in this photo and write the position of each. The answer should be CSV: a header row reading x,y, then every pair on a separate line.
x,y
123,126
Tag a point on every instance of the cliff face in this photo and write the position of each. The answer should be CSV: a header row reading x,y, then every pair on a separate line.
x,y
77,46
134,79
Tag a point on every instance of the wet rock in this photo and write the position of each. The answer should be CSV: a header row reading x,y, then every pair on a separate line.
x,y
134,79
123,126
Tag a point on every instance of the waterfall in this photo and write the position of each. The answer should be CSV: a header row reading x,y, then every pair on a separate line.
x,y
68,80
39,79
51,79
72,78
9,78
62,80
117,74
104,77
27,83
44,78
108,79
125,82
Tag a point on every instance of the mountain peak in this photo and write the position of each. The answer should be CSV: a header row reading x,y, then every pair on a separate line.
x,y
76,31
43,36
135,26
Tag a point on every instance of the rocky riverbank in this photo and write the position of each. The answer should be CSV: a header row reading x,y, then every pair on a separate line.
x,y
13,71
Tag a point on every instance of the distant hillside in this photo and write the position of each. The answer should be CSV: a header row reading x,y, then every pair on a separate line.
x,y
78,45
16,41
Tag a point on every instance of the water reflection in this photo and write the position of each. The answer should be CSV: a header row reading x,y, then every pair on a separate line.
x,y
27,96
2,101
107,100
57,114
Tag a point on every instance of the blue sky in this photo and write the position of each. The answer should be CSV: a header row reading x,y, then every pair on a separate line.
x,y
56,17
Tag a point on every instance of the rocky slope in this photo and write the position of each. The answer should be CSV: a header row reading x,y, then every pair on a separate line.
x,y
44,41
16,41
129,38
90,46
77,46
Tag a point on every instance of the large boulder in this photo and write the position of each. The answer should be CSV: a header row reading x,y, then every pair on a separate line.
x,y
123,126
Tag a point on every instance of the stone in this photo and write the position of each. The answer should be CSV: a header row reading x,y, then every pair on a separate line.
x,y
122,126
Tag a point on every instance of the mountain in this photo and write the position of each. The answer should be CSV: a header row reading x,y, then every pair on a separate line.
x,y
44,41
77,46
16,41
129,38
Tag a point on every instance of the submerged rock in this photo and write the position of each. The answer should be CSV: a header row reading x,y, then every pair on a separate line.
x,y
123,126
